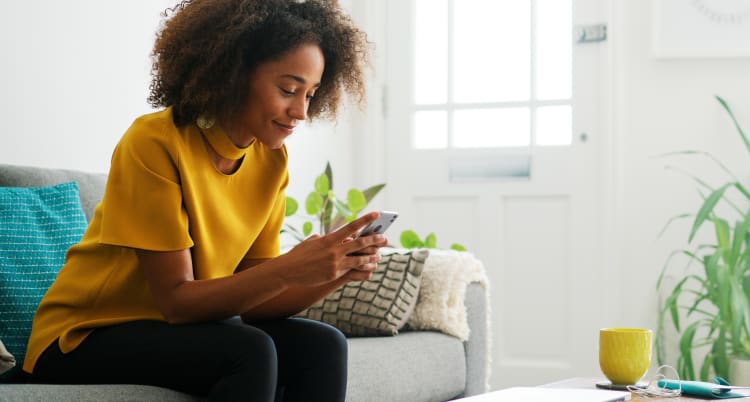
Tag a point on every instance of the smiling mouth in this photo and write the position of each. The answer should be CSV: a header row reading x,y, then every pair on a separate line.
x,y
285,126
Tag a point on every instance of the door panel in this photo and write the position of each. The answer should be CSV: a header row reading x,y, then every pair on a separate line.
x,y
530,212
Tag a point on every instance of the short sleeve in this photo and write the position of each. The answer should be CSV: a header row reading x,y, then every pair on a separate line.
x,y
142,205
268,242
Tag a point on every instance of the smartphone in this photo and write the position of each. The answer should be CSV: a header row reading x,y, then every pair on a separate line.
x,y
379,225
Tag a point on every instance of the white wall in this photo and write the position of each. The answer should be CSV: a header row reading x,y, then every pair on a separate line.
x,y
74,74
662,106
657,106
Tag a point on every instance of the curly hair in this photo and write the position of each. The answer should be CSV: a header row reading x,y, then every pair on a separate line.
x,y
206,49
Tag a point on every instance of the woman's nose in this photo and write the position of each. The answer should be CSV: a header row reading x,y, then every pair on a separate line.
x,y
298,108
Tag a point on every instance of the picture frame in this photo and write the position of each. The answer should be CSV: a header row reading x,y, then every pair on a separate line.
x,y
701,28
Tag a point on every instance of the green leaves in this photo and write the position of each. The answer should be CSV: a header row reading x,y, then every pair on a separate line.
x,y
371,192
430,241
713,302
291,206
322,185
325,209
457,247
707,208
327,212
356,200
685,363
736,123
410,239
314,203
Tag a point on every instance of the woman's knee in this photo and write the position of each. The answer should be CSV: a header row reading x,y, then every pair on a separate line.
x,y
249,346
251,362
324,337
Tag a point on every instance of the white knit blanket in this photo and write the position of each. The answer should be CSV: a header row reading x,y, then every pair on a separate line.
x,y
441,306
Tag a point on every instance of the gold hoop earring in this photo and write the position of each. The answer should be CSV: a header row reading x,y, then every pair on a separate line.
x,y
205,122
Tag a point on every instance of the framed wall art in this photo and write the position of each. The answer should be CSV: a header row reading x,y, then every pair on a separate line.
x,y
701,28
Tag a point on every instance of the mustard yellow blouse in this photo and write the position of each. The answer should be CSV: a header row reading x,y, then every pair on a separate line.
x,y
163,194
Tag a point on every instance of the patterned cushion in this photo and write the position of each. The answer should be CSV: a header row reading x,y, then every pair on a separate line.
x,y
380,305
37,226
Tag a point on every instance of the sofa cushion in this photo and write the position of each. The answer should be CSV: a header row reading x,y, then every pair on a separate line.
x,y
412,366
93,393
37,226
380,305
90,185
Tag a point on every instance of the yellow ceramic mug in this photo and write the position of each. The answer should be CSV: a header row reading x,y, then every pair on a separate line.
x,y
624,354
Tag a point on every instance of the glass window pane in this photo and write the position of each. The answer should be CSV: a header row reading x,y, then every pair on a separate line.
x,y
554,125
491,50
430,129
431,52
508,127
554,47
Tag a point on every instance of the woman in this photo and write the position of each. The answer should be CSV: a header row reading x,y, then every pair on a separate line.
x,y
187,234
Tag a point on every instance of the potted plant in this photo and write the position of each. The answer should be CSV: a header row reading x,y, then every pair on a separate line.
x,y
326,211
410,239
709,306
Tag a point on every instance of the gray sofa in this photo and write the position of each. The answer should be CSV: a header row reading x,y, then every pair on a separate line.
x,y
411,367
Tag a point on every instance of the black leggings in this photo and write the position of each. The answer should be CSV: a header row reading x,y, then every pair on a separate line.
x,y
290,359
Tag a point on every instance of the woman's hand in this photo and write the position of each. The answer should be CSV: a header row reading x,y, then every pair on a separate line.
x,y
322,259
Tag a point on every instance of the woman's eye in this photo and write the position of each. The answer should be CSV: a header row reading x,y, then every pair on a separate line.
x,y
287,92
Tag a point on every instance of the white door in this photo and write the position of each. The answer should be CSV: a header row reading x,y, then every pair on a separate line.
x,y
493,137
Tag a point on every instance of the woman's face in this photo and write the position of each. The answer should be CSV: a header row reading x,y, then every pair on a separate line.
x,y
278,97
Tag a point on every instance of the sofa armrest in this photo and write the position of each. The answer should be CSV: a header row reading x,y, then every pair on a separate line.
x,y
477,346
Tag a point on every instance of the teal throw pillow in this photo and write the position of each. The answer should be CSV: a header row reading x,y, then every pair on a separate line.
x,y
37,226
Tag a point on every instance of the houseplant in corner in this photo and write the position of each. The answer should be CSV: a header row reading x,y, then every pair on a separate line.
x,y
710,305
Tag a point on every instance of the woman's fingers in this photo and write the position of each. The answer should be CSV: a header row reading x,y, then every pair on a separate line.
x,y
365,245
368,250
346,236
320,259
360,260
372,265
356,275
350,229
